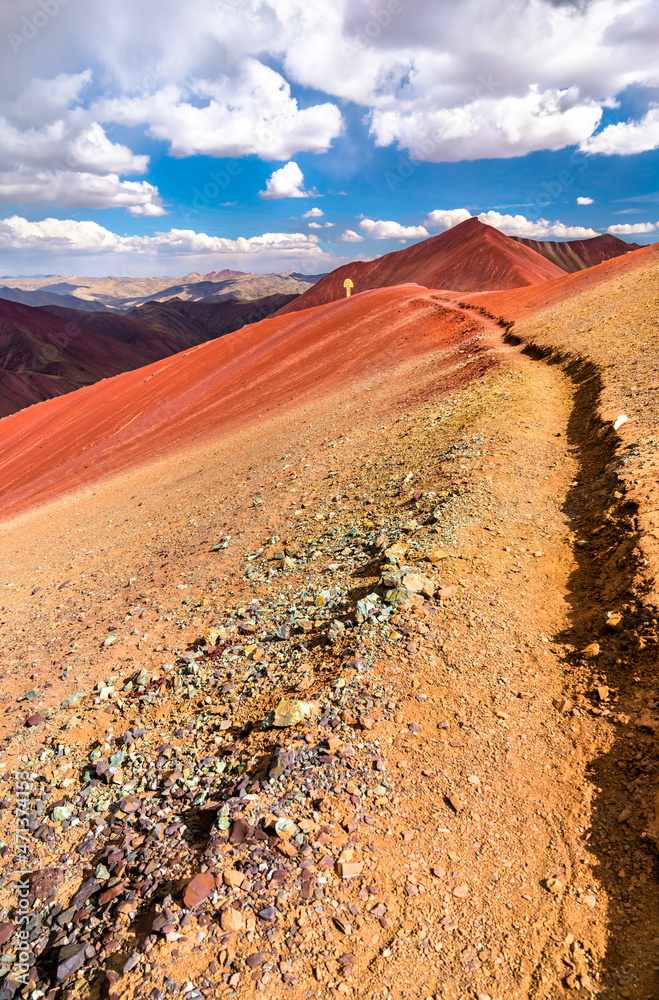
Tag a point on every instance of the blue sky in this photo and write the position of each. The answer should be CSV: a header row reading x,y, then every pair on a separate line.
x,y
164,138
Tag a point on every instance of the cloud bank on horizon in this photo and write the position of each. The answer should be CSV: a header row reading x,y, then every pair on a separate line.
x,y
223,116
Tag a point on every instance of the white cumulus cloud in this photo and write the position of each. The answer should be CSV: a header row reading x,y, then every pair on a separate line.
x,y
464,79
70,234
55,243
489,127
287,182
313,213
441,219
68,145
626,138
248,113
540,229
65,157
513,225
42,102
584,201
350,236
80,190
383,230
631,229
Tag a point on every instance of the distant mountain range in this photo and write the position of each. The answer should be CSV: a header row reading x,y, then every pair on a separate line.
x,y
38,297
125,293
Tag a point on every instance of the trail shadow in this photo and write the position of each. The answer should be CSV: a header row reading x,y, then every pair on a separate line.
x,y
604,580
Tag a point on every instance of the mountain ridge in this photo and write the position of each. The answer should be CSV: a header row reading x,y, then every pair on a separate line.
x,y
578,255
469,257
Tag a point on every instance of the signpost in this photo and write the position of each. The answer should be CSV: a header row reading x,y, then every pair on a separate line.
x,y
348,285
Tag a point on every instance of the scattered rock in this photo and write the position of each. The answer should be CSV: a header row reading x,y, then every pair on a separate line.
x,y
290,712
198,889
343,925
396,552
285,828
231,920
417,583
349,869
233,878
455,801
70,958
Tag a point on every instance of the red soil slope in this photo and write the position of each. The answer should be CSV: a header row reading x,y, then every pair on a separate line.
x,y
522,301
63,443
51,351
469,257
576,255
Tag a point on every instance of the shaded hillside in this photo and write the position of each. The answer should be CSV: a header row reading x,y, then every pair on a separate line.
x,y
469,257
130,328
50,351
43,354
576,255
46,297
216,319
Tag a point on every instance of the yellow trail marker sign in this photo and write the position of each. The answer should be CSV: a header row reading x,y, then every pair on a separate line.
x,y
348,285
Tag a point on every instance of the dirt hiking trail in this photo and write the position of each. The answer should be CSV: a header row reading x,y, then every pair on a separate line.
x,y
469,791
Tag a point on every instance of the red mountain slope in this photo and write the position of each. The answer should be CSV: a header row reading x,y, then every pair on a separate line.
x,y
522,301
63,443
470,257
576,255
